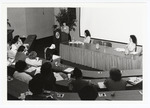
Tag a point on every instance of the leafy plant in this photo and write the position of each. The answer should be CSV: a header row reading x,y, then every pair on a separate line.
x,y
64,16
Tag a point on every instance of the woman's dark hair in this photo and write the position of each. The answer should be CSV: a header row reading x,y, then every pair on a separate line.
x,y
87,33
20,66
46,69
36,86
115,74
15,39
88,93
134,40
21,48
77,73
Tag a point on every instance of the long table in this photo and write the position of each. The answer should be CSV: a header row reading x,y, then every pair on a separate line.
x,y
103,58
105,74
16,87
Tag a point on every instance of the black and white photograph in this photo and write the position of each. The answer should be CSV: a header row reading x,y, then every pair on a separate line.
x,y
75,52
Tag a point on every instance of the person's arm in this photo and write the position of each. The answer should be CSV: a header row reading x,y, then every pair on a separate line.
x,y
131,48
33,62
67,30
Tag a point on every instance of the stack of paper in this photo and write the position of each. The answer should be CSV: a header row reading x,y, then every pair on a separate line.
x,y
101,85
68,70
135,80
58,77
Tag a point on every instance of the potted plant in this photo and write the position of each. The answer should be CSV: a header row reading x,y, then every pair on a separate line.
x,y
64,16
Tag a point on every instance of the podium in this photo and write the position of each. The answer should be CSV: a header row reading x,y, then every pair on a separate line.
x,y
64,37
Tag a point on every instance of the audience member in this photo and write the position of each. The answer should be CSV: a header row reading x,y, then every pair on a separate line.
x,y
21,53
46,76
16,43
31,60
88,92
37,89
115,82
20,74
87,38
78,83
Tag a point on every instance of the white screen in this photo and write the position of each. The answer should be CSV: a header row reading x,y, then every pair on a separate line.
x,y
114,21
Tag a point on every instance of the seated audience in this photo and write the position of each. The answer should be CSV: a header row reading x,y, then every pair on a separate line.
x,y
132,45
10,55
37,89
115,82
16,43
87,38
21,55
33,60
78,83
88,92
46,76
20,73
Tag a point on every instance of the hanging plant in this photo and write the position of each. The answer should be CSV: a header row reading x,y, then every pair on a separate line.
x,y
63,16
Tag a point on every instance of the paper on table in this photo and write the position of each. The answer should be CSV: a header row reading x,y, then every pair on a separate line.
x,y
135,80
120,49
32,69
55,57
69,70
101,85
58,77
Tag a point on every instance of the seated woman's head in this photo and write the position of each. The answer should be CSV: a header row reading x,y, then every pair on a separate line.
x,y
46,69
87,33
115,74
20,66
22,49
133,39
88,93
36,86
77,74
15,39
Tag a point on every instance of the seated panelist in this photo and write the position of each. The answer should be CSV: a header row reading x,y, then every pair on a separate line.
x,y
132,45
87,38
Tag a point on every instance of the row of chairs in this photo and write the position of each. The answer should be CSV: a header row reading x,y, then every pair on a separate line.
x,y
102,43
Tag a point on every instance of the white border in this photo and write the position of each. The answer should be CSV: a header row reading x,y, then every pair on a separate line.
x,y
42,3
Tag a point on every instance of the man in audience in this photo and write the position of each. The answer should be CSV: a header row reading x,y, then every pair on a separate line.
x,y
78,83
20,73
88,92
115,82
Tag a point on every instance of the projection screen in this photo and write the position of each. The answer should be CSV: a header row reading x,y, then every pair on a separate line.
x,y
114,21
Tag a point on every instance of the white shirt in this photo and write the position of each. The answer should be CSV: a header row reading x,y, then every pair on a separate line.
x,y
87,39
33,62
22,76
